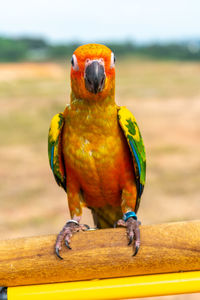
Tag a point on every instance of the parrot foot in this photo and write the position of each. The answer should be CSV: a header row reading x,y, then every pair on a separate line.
x,y
66,233
133,231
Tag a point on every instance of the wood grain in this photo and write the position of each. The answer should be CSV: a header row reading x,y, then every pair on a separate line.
x,y
170,247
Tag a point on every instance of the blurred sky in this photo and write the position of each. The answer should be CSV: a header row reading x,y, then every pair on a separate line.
x,y
101,20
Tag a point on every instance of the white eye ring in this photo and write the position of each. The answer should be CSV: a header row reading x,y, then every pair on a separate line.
x,y
112,60
74,63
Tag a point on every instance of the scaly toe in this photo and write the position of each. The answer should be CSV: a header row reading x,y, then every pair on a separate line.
x,y
130,240
121,223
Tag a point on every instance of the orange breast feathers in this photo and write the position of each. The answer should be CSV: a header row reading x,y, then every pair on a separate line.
x,y
97,157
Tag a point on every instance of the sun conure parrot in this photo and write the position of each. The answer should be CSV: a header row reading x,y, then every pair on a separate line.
x,y
96,151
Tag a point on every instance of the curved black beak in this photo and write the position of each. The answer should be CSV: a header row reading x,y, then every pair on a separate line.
x,y
95,77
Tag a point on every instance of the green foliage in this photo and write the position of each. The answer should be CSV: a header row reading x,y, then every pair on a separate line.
x,y
37,49
61,51
12,50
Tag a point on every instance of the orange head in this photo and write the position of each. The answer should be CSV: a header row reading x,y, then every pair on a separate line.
x,y
93,72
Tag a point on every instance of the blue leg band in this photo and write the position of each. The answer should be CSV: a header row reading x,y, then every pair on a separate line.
x,y
129,214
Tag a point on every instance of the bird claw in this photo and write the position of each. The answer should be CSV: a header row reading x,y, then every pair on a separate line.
x,y
66,233
87,227
133,232
67,245
136,250
57,253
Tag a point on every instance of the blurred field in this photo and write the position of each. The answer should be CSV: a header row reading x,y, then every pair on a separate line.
x,y
165,99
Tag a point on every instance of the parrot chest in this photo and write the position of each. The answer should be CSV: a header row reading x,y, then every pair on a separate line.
x,y
95,152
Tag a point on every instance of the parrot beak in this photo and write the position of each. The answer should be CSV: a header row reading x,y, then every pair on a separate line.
x,y
94,77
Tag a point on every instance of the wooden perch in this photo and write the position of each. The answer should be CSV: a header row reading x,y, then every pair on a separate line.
x,y
104,253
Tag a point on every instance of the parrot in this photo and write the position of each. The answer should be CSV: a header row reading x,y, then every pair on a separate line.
x,y
96,151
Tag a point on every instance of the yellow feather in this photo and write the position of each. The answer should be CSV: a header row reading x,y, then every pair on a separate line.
x,y
124,115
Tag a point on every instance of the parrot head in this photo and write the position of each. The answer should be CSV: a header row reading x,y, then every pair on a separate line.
x,y
93,72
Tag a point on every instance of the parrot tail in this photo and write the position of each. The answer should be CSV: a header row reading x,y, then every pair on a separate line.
x,y
105,217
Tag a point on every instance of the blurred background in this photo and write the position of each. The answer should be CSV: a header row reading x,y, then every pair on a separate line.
x,y
157,46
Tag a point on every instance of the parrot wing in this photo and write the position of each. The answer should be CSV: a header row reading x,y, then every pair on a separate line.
x,y
133,136
56,160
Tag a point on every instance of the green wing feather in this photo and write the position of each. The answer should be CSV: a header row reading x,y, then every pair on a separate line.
x,y
55,149
133,136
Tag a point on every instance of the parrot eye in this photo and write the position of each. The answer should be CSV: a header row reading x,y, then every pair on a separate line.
x,y
112,60
74,63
